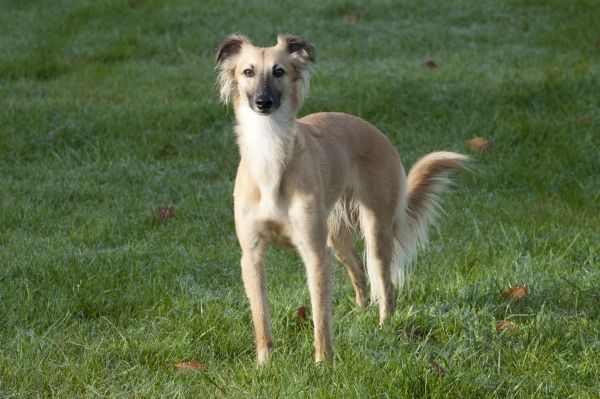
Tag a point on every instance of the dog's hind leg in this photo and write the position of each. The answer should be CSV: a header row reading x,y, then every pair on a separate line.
x,y
341,241
379,244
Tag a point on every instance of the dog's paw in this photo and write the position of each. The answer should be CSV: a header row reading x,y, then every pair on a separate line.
x,y
263,355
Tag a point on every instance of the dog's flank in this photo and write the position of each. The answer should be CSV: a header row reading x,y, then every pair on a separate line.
x,y
311,183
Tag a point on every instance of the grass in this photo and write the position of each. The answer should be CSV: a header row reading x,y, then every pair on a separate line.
x,y
109,110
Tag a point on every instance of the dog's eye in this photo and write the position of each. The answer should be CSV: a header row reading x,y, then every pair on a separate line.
x,y
248,73
278,72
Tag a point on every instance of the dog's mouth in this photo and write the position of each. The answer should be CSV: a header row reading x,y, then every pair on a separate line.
x,y
263,111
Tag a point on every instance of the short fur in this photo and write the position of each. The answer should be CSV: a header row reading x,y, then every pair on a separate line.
x,y
310,183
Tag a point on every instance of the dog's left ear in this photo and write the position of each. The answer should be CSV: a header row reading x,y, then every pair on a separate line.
x,y
297,46
302,56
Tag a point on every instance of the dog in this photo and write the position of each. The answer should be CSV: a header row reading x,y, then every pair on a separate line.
x,y
310,183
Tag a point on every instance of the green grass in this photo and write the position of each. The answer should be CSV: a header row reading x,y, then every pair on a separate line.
x,y
109,110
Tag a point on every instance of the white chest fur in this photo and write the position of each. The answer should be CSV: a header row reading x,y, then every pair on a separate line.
x,y
266,143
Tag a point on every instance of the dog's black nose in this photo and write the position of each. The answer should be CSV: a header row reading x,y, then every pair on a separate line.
x,y
264,102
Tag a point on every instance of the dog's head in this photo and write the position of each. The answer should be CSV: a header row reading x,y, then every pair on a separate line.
x,y
265,78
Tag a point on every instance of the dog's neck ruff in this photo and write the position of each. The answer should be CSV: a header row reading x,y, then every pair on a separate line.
x,y
266,144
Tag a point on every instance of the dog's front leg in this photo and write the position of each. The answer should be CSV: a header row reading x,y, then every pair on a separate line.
x,y
318,272
310,238
253,274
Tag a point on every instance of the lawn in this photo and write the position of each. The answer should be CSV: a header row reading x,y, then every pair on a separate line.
x,y
109,111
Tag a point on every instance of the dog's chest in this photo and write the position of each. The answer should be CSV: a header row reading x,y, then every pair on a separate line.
x,y
265,145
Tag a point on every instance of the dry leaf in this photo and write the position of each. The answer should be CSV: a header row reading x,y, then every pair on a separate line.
x,y
416,334
431,64
506,325
516,292
598,43
584,120
351,17
164,213
302,314
479,144
192,365
542,206
437,369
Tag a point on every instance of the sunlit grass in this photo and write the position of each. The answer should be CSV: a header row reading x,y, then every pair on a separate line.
x,y
109,110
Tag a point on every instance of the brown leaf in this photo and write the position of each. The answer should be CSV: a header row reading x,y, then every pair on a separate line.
x,y
437,369
584,120
431,64
164,213
598,43
506,325
190,366
302,314
351,17
542,206
516,292
479,144
416,334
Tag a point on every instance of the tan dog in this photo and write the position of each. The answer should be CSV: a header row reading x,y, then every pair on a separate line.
x,y
308,183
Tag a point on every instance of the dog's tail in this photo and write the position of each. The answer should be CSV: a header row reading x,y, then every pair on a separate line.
x,y
420,207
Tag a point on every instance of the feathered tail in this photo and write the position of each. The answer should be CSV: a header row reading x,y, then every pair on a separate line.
x,y
426,181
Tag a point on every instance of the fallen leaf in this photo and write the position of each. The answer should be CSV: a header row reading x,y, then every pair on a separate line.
x,y
516,292
542,206
437,369
431,64
479,144
164,213
584,120
598,43
416,334
302,314
351,17
192,365
506,325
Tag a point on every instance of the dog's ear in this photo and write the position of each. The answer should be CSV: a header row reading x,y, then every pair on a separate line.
x,y
226,62
232,45
297,46
302,56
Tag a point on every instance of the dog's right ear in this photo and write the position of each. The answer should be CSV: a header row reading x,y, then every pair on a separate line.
x,y
232,45
226,62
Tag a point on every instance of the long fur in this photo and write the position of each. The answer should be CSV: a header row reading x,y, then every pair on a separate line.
x,y
427,179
